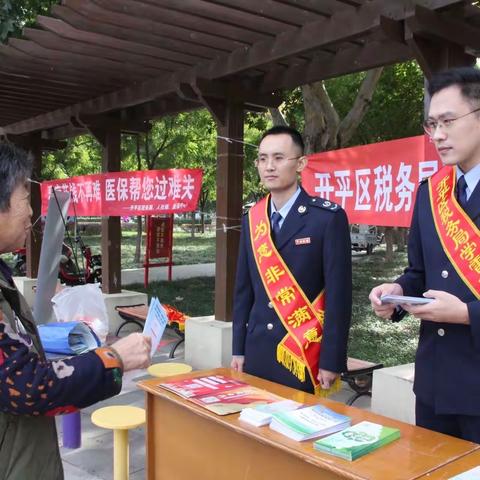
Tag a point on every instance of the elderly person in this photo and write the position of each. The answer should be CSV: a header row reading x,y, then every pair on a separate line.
x,y
32,389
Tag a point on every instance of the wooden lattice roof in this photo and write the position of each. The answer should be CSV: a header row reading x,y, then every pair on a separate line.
x,y
132,60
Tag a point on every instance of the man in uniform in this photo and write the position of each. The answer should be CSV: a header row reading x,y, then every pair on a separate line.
x,y
293,291
444,263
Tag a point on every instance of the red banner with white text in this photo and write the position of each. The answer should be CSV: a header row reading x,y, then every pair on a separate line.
x,y
145,192
376,184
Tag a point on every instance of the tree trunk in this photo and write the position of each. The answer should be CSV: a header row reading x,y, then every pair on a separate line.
x,y
277,117
401,238
138,241
389,239
193,225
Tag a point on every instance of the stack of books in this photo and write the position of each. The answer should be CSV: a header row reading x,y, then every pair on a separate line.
x,y
308,422
261,415
356,441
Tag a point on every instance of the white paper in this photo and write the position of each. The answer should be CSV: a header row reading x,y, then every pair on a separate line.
x,y
155,323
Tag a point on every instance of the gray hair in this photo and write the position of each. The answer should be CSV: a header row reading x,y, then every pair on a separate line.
x,y
15,170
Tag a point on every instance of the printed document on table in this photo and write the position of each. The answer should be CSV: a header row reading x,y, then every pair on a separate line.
x,y
155,323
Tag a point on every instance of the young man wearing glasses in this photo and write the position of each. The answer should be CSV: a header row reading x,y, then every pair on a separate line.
x,y
293,289
444,263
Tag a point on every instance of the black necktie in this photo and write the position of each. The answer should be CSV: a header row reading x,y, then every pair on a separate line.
x,y
462,191
275,219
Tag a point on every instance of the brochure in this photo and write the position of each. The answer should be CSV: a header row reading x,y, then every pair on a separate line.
x,y
353,442
155,323
196,387
262,414
220,394
308,422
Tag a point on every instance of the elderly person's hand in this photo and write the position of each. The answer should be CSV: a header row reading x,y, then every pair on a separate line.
x,y
134,351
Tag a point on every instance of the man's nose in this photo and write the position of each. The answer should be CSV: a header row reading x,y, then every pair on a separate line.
x,y
439,134
270,165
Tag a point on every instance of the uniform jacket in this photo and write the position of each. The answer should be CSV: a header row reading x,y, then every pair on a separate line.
x,y
33,390
447,365
324,260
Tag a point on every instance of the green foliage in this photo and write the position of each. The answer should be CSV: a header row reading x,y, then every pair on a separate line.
x,y
396,110
82,156
16,14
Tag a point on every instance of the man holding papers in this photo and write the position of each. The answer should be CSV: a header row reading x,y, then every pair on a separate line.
x,y
444,263
293,289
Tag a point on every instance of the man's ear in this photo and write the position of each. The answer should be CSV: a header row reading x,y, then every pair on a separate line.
x,y
302,163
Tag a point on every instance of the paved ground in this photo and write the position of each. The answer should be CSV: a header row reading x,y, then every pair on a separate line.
x,y
93,461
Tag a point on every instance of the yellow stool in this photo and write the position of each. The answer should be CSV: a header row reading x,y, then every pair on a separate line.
x,y
120,419
168,369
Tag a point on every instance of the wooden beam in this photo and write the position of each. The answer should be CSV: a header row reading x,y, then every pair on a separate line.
x,y
430,24
434,56
111,232
65,30
34,237
317,34
229,208
348,60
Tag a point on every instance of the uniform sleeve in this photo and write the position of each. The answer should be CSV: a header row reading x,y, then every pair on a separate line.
x,y
337,265
31,386
413,278
243,294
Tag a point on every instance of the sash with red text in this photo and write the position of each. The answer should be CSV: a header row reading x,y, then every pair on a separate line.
x,y
459,236
299,350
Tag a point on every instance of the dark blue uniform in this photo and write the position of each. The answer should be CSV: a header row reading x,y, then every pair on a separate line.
x,y
323,260
447,365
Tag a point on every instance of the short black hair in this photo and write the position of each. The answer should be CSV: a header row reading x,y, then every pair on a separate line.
x,y
15,170
466,78
283,129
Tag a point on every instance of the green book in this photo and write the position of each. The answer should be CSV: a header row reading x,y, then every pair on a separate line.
x,y
356,441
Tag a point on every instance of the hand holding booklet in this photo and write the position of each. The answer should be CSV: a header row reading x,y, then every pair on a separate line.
x,y
308,422
155,323
403,300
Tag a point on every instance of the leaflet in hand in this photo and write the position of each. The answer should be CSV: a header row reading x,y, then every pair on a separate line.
x,y
401,300
309,422
262,414
358,440
155,323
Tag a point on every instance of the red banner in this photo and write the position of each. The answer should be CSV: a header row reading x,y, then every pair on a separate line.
x,y
376,184
145,192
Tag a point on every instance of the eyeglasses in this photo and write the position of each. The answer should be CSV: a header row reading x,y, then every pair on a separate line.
x,y
276,159
430,126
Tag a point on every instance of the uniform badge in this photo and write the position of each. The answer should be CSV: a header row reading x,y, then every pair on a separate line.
x,y
326,203
302,209
303,241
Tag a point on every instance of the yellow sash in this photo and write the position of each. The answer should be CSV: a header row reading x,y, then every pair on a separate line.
x,y
299,350
459,236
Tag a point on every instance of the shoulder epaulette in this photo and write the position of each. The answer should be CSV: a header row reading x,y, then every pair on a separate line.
x,y
325,204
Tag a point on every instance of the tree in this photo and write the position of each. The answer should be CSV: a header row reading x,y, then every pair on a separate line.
x,y
16,14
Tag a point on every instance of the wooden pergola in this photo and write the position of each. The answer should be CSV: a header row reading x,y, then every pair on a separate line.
x,y
109,66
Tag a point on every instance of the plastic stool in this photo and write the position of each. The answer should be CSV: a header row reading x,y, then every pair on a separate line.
x,y
168,369
120,419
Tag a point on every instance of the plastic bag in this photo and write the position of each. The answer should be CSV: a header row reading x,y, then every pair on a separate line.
x,y
83,303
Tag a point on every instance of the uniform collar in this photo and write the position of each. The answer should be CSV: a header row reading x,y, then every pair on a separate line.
x,y
472,178
288,205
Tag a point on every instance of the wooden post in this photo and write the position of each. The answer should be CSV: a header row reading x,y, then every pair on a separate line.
x,y
34,238
229,207
111,230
